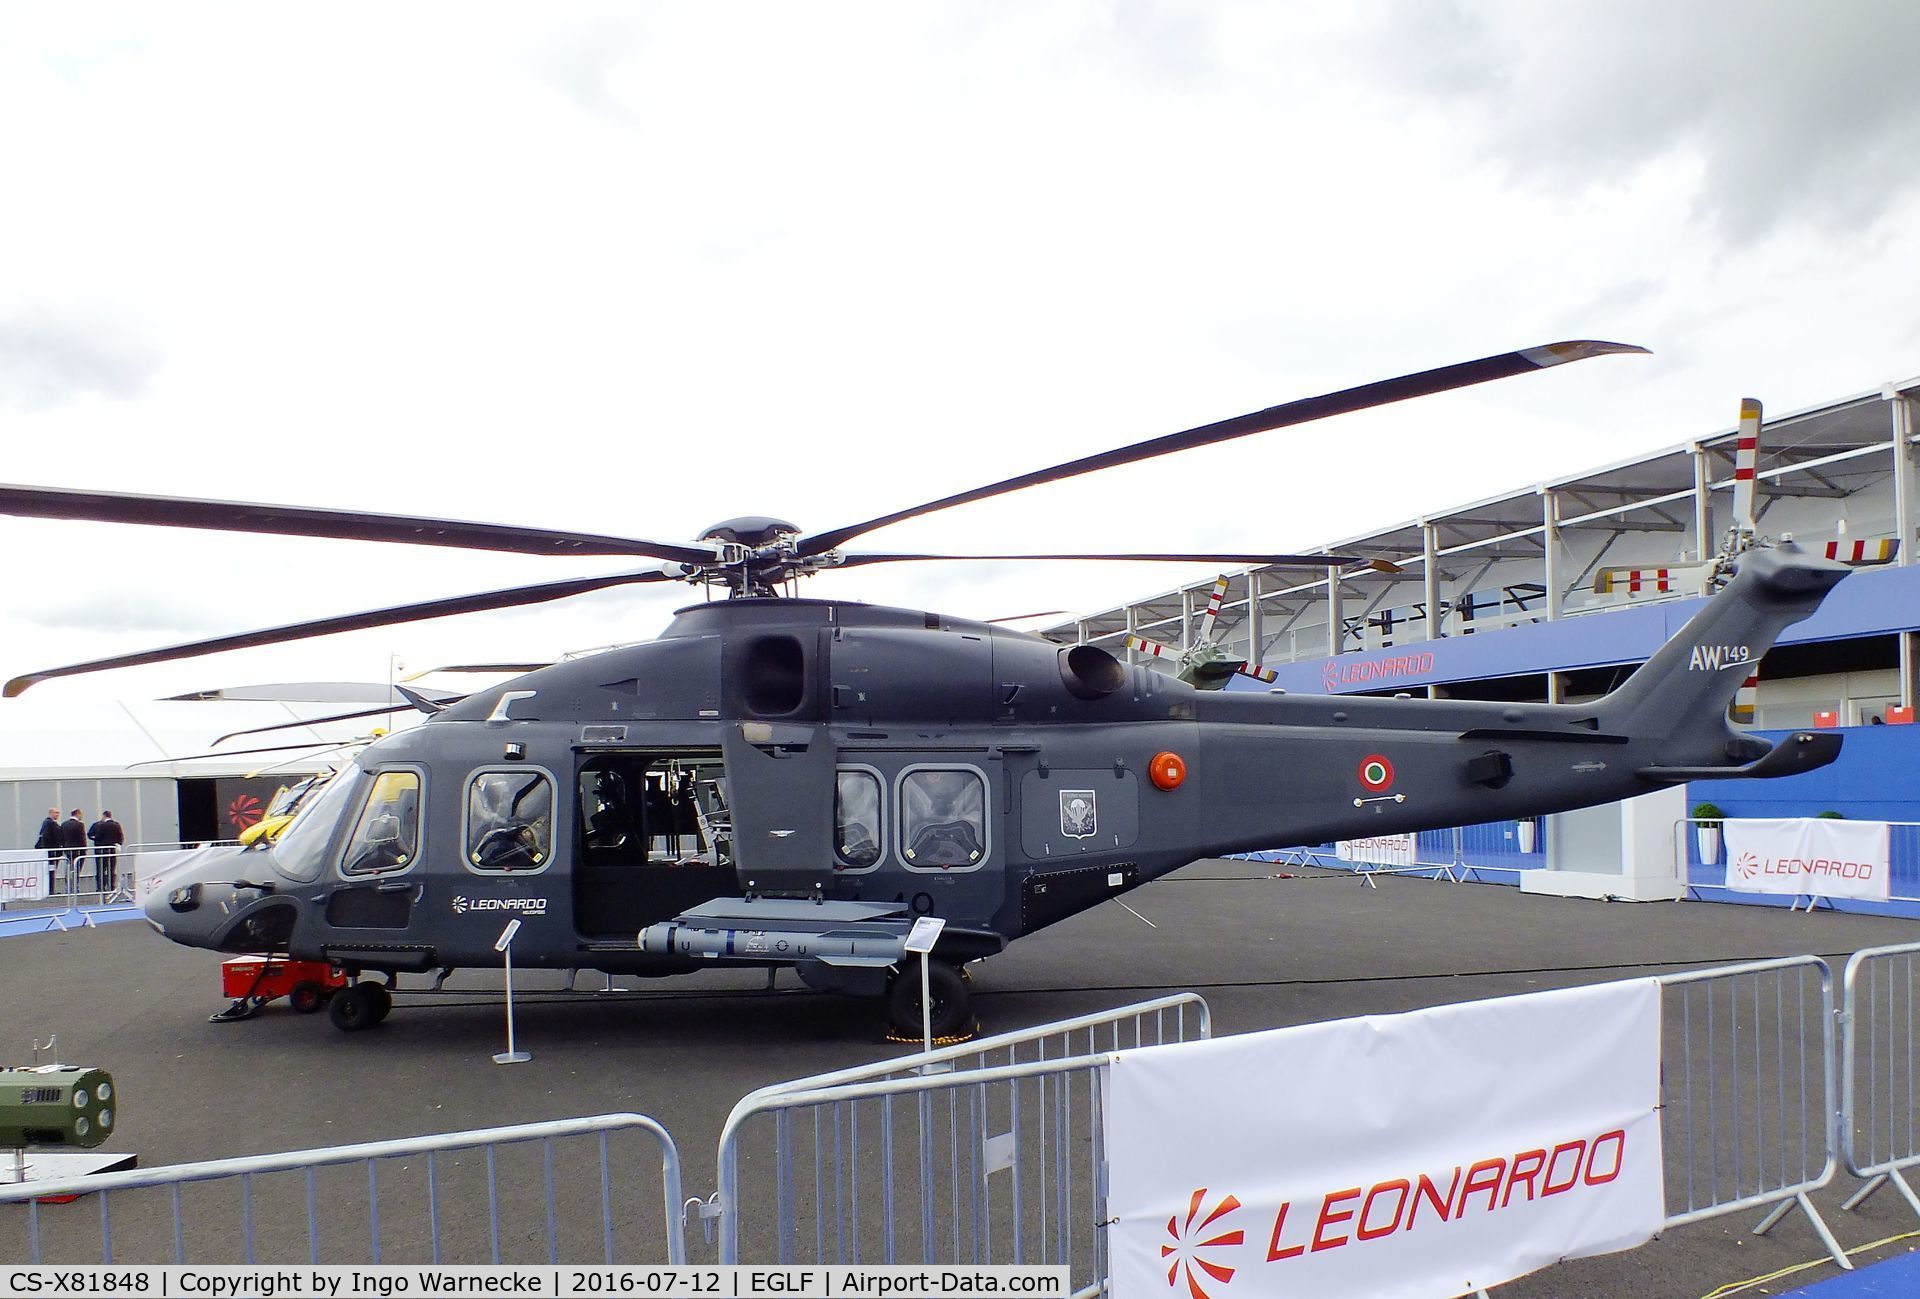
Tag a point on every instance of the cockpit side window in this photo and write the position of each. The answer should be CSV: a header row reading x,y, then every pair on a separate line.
x,y
509,821
301,850
387,835
858,831
943,818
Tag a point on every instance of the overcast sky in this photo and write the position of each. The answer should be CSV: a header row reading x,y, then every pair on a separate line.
x,y
638,268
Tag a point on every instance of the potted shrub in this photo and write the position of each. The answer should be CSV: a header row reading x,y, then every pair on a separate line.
x,y
1706,831
1830,815
1525,830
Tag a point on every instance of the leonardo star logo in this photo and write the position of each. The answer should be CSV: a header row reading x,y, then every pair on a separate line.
x,y
1748,865
1196,1236
244,812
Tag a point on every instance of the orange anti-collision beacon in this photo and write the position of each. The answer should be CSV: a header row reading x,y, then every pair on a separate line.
x,y
1167,770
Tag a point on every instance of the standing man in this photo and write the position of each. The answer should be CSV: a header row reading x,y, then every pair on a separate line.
x,y
53,844
106,835
73,834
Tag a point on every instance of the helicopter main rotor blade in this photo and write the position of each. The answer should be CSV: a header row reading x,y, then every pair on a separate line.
x,y
1022,617
479,603
310,521
322,745
401,706
1426,382
1271,561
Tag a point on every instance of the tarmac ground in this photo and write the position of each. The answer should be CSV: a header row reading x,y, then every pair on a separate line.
x,y
1266,947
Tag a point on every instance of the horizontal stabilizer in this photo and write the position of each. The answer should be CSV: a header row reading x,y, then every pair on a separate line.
x,y
1801,751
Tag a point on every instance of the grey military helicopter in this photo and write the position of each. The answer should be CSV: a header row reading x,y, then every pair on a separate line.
x,y
786,782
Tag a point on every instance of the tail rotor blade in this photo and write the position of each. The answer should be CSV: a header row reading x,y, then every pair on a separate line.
x,y
1212,614
1645,579
1746,464
1741,711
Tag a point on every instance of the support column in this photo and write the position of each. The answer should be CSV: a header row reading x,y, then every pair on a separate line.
x,y
1256,638
1704,546
1133,629
1550,516
1186,618
1334,618
1903,523
1430,561
1080,631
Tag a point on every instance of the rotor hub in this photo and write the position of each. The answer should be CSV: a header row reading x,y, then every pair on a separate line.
x,y
755,530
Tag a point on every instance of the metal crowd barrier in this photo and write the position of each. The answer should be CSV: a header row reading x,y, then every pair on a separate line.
x,y
990,1152
1460,854
993,1151
525,1193
915,1161
1497,846
1879,1126
1698,872
1748,1091
24,872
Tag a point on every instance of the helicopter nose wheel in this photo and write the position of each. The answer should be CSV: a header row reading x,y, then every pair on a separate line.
x,y
947,991
360,1006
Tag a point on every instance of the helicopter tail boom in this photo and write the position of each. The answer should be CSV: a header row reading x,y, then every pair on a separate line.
x,y
1682,693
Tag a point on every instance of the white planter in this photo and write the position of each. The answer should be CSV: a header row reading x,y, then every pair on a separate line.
x,y
1526,829
1707,839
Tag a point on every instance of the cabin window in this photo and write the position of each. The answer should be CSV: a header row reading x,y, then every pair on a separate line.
x,y
509,821
387,835
857,824
943,818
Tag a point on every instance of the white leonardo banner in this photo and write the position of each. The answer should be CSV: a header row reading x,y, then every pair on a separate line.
x,y
1380,850
1413,1156
1806,856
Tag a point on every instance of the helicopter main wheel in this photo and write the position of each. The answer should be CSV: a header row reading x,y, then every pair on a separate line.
x,y
382,1001
307,997
358,1007
946,989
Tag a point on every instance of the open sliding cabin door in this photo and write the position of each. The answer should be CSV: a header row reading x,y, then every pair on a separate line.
x,y
780,784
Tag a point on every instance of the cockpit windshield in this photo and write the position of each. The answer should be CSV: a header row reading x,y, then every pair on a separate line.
x,y
301,850
288,799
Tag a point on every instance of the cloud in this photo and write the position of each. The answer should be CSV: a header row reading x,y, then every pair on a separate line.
x,y
50,356
124,610
583,60
1788,113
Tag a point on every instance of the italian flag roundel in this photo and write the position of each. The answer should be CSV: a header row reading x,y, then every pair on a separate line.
x,y
1376,773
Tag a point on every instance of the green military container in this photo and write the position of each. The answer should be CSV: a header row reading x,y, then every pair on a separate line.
x,y
55,1105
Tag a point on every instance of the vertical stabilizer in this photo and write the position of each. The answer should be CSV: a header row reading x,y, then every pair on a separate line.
x,y
1683,691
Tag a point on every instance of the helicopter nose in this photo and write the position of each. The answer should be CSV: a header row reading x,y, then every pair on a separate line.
x,y
177,895
197,897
